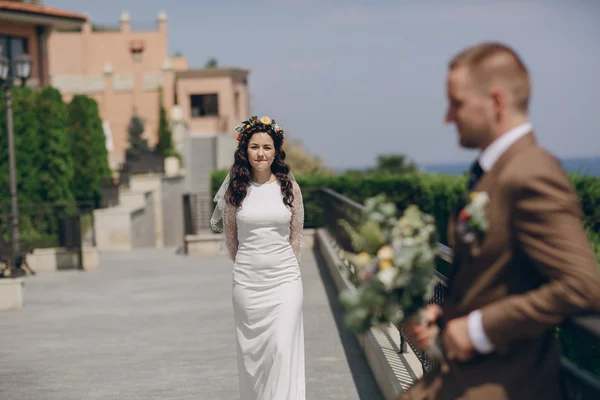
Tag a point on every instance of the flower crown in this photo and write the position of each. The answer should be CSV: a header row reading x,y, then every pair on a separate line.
x,y
254,121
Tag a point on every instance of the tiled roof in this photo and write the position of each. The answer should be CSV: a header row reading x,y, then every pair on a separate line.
x,y
39,10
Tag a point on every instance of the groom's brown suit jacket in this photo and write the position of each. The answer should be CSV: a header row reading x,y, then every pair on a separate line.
x,y
535,268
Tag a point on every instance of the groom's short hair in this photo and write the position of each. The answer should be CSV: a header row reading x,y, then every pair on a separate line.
x,y
493,62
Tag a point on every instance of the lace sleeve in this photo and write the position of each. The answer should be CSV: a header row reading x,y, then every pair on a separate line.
x,y
297,222
230,229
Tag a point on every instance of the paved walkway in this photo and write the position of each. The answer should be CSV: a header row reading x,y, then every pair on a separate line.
x,y
154,325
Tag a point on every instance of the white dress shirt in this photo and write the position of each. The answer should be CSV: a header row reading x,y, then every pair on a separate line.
x,y
487,159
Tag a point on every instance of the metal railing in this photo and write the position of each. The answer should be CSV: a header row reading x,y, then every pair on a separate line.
x,y
67,225
197,210
577,381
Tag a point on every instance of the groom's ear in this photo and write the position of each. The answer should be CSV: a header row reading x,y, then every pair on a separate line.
x,y
500,100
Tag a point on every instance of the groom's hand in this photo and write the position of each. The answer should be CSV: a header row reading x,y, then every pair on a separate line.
x,y
419,333
457,341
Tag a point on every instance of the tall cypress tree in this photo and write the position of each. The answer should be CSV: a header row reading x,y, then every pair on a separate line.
x,y
98,141
27,147
27,158
88,148
164,145
4,171
56,164
137,144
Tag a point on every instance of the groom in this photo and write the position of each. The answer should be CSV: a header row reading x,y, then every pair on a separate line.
x,y
531,268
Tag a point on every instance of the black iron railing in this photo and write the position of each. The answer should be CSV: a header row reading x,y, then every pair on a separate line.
x,y
67,225
580,336
197,210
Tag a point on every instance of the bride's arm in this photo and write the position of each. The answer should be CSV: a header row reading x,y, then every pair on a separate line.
x,y
230,229
297,223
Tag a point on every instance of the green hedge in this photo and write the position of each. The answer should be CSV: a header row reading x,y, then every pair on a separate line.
x,y
435,194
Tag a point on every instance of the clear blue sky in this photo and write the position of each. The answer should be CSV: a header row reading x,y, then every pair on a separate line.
x,y
352,79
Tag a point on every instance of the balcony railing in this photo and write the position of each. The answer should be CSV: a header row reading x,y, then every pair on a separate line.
x,y
580,336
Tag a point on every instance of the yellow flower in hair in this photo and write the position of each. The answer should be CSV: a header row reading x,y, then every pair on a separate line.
x,y
266,120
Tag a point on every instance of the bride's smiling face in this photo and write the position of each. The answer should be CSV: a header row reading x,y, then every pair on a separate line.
x,y
261,151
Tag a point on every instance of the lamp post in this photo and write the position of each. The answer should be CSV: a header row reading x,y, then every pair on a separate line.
x,y
21,69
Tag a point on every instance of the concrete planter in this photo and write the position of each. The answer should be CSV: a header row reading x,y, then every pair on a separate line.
x,y
53,259
91,258
171,166
11,294
205,244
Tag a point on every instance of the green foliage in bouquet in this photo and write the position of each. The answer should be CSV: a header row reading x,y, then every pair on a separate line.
x,y
375,231
395,275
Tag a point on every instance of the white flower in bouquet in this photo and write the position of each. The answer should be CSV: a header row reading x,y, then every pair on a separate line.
x,y
387,277
396,280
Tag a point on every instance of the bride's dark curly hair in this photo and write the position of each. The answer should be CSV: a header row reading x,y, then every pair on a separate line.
x,y
241,170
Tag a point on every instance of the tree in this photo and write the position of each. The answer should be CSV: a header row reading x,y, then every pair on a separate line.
x,y
301,161
88,148
137,144
98,140
211,63
27,151
394,164
164,146
56,169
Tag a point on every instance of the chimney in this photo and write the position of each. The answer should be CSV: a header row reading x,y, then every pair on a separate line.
x,y
125,22
161,21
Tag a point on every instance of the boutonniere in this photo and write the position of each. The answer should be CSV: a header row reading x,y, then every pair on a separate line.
x,y
472,220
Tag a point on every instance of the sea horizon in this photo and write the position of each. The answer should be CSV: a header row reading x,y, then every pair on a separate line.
x,y
581,165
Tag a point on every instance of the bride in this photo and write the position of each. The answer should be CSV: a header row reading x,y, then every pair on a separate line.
x,y
260,211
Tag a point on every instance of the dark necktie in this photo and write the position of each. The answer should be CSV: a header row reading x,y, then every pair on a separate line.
x,y
474,174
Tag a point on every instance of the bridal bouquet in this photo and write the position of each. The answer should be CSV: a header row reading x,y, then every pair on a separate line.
x,y
395,265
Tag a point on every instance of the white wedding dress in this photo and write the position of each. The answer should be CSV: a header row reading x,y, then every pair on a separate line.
x,y
264,238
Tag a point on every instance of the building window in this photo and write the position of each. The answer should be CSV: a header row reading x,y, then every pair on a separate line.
x,y
204,105
12,46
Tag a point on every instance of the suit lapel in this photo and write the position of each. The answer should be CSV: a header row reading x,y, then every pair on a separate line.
x,y
486,181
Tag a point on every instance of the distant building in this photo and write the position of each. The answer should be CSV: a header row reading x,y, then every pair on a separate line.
x,y
25,27
125,69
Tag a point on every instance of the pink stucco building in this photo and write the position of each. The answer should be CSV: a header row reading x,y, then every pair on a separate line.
x,y
126,70
24,29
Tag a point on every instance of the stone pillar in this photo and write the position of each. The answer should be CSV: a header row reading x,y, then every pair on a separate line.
x,y
106,115
168,84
